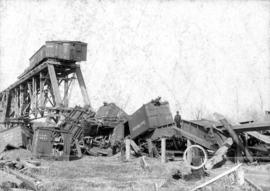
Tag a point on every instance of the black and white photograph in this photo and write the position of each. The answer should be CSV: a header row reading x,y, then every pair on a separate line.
x,y
142,95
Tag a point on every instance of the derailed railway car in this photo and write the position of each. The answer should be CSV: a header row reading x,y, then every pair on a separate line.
x,y
67,51
63,50
150,116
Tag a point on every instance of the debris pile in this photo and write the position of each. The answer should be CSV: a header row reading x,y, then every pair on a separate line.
x,y
15,174
34,115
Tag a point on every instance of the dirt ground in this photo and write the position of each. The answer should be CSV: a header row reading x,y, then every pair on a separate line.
x,y
111,173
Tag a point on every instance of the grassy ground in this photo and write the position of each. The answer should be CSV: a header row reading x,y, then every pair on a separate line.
x,y
111,173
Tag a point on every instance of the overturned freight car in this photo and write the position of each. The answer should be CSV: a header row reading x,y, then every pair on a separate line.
x,y
150,116
146,126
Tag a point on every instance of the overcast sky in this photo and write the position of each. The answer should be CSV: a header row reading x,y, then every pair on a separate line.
x,y
209,55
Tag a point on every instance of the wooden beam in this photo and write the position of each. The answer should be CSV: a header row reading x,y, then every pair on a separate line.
x,y
5,101
66,87
150,147
234,136
54,83
196,137
21,99
16,102
29,87
219,154
127,144
217,177
29,181
78,148
135,147
34,96
163,150
41,92
261,137
82,86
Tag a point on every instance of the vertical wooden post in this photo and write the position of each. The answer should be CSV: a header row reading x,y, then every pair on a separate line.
x,y
82,86
21,100
78,148
127,141
65,101
34,92
29,87
163,150
54,83
189,154
150,147
16,102
5,100
41,92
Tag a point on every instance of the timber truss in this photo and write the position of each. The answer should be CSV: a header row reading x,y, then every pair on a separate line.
x,y
45,86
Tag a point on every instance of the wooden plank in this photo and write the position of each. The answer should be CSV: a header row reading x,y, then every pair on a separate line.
x,y
29,181
135,147
261,137
253,184
219,154
54,84
82,86
217,177
163,150
78,148
196,139
150,147
127,143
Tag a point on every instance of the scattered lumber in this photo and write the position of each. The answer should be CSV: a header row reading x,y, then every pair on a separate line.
x,y
78,148
219,154
34,162
15,168
217,177
144,164
135,147
234,136
258,188
33,183
261,137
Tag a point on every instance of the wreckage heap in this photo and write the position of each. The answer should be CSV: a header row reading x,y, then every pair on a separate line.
x,y
42,91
